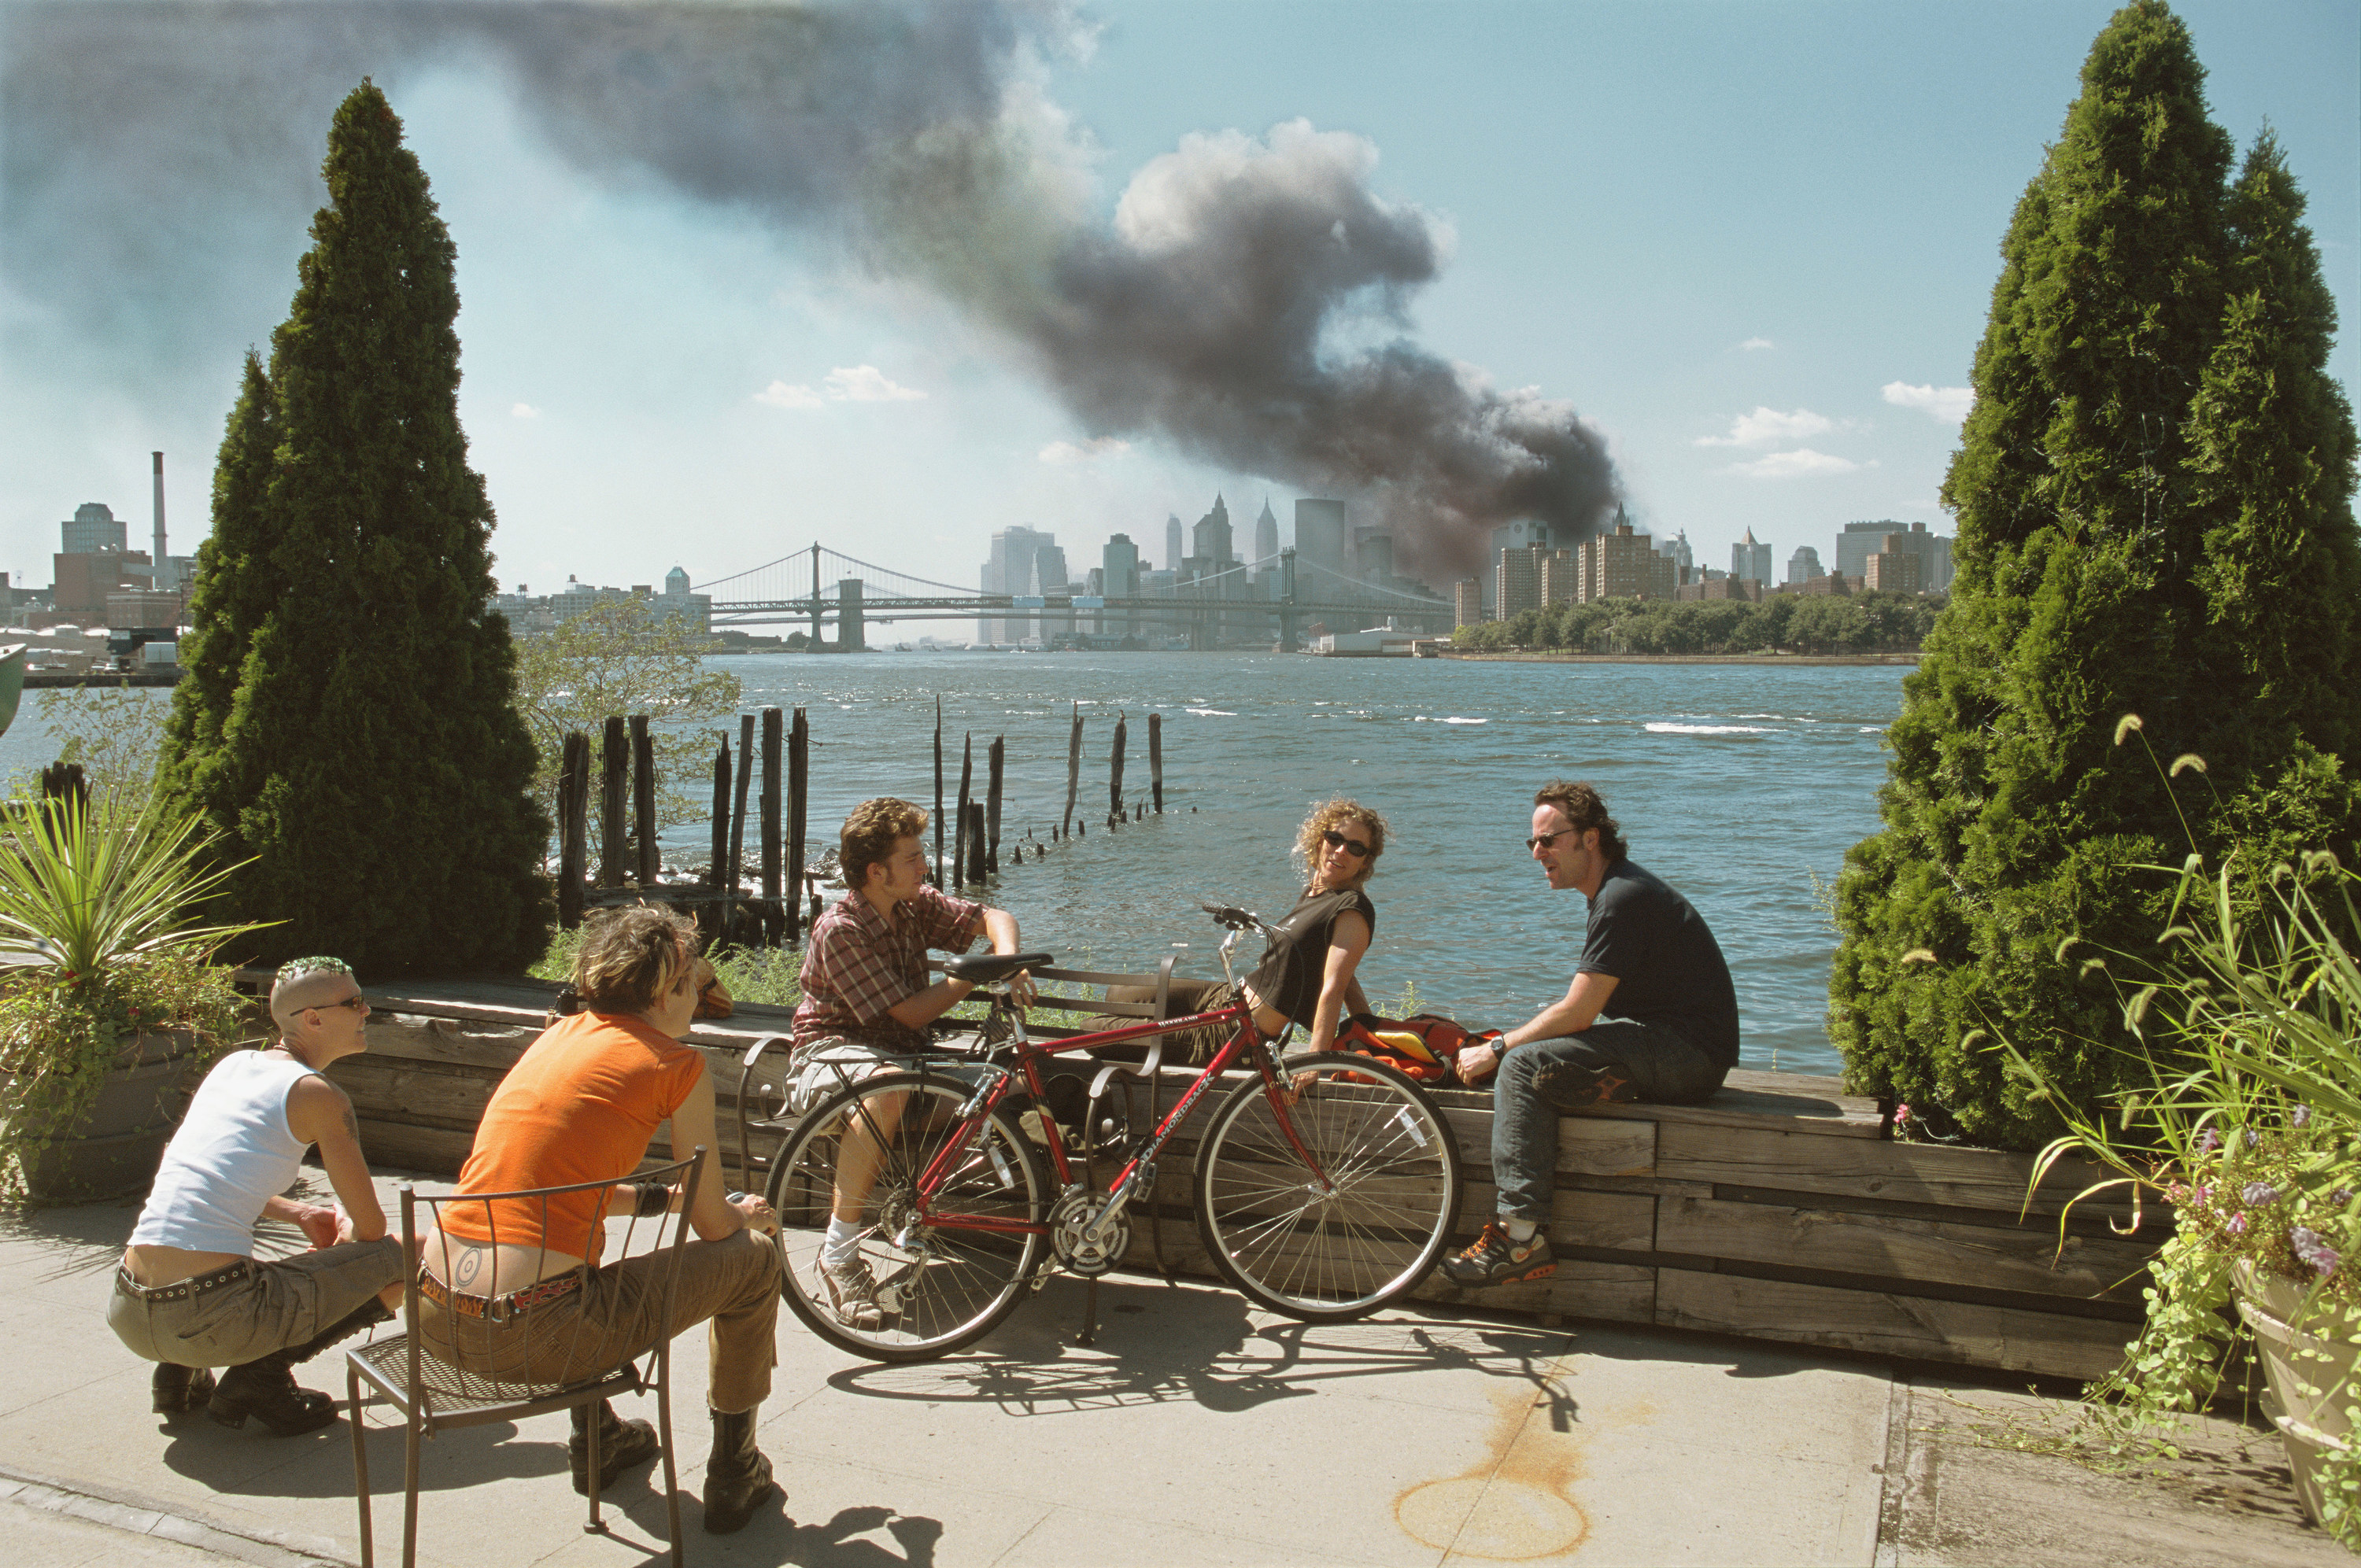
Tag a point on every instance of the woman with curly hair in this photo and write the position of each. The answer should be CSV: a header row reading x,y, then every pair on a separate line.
x,y
1308,978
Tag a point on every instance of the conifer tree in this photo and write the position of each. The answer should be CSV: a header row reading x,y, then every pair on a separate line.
x,y
347,721
2114,526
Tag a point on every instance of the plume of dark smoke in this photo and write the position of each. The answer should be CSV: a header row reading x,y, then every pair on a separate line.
x,y
158,163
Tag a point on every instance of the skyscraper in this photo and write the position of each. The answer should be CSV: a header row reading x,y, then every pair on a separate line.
x,y
1120,564
1319,541
1750,560
1266,540
1804,565
1010,571
1173,548
1212,540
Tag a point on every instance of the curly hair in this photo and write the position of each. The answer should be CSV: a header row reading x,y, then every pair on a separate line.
x,y
630,956
1584,809
870,832
1329,814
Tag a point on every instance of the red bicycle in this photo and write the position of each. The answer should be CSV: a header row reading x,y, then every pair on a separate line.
x,y
1325,1186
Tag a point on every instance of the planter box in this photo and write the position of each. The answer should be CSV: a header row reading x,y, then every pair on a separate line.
x,y
115,1149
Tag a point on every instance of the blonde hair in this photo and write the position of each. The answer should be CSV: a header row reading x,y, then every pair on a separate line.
x,y
630,957
1327,815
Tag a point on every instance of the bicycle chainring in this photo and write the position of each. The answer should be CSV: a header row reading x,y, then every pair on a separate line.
x,y
1074,1251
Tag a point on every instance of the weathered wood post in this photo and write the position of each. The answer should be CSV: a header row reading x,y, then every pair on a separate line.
x,y
643,802
1156,759
614,762
573,826
738,822
798,785
967,784
975,848
996,757
1074,771
773,727
935,871
1114,776
708,917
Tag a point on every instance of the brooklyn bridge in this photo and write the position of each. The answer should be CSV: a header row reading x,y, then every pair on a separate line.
x,y
1277,599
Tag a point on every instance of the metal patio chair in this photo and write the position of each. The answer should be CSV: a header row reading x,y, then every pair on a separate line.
x,y
417,1371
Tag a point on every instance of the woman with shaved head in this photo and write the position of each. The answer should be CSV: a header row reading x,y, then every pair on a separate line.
x,y
191,1294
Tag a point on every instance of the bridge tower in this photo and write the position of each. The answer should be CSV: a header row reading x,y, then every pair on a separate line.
x,y
815,598
1286,600
848,616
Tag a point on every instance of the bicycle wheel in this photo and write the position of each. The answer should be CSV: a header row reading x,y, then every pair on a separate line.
x,y
1326,1251
941,1287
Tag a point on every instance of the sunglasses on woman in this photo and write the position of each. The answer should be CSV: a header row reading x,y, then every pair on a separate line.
x,y
1353,847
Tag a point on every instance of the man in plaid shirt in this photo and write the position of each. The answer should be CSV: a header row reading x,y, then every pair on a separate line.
x,y
867,1003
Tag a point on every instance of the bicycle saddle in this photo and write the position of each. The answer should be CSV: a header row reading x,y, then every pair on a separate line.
x,y
985,968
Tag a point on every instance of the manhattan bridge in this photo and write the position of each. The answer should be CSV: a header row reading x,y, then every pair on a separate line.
x,y
839,599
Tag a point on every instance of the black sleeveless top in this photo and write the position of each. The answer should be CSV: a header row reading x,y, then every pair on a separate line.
x,y
1288,980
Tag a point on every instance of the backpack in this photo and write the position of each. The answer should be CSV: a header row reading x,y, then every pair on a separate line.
x,y
1420,1047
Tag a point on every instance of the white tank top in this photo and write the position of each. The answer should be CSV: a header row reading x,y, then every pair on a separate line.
x,y
233,1153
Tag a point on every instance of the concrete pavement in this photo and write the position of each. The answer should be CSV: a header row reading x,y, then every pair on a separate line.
x,y
1197,1430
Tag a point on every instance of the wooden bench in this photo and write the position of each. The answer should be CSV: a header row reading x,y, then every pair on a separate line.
x,y
1779,1210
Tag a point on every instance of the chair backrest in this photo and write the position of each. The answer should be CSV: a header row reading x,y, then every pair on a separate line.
x,y
480,1366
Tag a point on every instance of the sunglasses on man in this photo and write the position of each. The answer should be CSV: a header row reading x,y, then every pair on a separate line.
x,y
1353,847
354,1003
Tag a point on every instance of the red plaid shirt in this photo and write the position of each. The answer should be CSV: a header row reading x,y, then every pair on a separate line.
x,y
859,963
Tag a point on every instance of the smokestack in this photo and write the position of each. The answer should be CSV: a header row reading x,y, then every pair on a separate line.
x,y
162,580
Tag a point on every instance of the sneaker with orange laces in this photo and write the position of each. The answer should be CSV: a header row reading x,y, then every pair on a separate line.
x,y
1497,1260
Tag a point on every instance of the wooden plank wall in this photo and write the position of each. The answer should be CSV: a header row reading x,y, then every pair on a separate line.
x,y
1777,1211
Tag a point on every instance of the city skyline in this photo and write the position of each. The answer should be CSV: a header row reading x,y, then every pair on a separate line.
x,y
1761,293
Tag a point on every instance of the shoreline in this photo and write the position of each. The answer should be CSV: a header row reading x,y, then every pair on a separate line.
x,y
1555,657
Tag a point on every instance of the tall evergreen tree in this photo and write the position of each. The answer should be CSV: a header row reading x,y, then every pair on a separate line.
x,y
347,720
2108,542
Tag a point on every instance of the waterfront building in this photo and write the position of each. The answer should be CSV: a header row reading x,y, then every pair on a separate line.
x,y
1860,541
1468,602
1517,581
679,604
1319,541
1678,553
1523,533
94,530
1804,565
1010,570
1897,569
1173,548
1212,536
1623,564
1749,559
1373,554
1561,578
1119,579
1265,541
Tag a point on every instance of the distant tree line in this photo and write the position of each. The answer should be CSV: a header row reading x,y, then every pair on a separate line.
x,y
1783,623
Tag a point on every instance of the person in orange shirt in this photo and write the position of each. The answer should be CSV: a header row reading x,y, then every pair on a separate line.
x,y
504,1280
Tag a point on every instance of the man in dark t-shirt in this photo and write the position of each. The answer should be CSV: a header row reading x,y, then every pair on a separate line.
x,y
1651,1015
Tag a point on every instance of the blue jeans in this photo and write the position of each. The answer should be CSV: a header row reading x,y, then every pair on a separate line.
x,y
1613,1062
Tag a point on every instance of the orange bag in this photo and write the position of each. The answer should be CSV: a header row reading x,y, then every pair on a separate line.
x,y
1422,1047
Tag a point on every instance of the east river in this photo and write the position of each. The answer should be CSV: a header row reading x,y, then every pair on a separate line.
x,y
1737,784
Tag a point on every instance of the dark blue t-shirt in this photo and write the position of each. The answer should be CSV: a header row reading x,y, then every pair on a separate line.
x,y
1667,968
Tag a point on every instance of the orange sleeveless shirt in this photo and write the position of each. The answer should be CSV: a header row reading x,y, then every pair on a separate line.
x,y
581,1104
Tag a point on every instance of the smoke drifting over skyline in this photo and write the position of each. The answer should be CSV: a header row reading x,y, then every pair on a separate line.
x,y
1245,303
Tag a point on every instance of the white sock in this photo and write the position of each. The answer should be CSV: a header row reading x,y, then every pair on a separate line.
x,y
843,1241
1520,1230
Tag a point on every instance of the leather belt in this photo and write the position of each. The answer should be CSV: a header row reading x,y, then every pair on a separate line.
x,y
496,1308
181,1290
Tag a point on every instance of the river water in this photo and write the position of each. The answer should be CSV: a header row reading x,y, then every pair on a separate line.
x,y
1735,783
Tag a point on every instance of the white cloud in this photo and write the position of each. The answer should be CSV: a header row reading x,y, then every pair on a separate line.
x,y
1754,342
1948,405
525,411
867,384
1802,463
1069,452
779,395
1766,427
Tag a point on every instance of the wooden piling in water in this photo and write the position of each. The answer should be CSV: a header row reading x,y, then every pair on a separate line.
x,y
643,802
994,758
1115,775
976,848
573,826
708,914
1073,771
1156,759
967,780
614,832
738,821
935,871
798,787
774,737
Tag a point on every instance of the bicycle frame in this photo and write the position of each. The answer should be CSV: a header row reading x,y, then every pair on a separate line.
x,y
1245,1041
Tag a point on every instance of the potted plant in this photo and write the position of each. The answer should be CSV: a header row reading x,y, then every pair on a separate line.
x,y
2249,1127
108,1000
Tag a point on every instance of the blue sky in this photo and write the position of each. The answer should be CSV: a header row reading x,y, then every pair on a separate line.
x,y
1732,237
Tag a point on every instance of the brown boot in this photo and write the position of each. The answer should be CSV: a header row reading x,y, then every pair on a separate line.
x,y
737,1476
621,1444
176,1390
